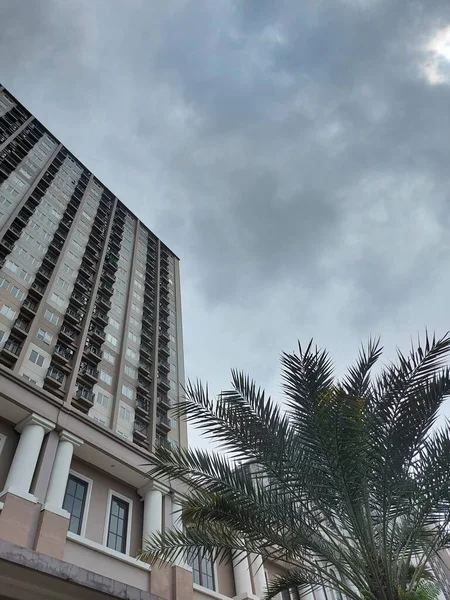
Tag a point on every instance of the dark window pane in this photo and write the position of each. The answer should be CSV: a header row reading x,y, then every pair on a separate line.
x,y
202,570
118,525
74,502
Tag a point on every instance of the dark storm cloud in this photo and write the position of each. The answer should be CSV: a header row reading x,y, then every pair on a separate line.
x,y
293,154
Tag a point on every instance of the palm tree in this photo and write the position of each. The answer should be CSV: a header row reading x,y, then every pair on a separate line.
x,y
348,487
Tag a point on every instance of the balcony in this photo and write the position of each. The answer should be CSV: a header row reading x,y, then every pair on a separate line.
x,y
11,349
163,422
163,401
111,262
142,407
21,326
43,274
146,350
29,307
79,300
73,316
6,246
145,366
163,366
83,398
15,231
82,285
62,353
112,254
107,289
108,276
103,302
162,442
164,335
164,310
37,290
100,317
140,433
144,386
97,334
93,353
163,350
163,383
68,334
88,372
55,377
86,271
146,334
50,260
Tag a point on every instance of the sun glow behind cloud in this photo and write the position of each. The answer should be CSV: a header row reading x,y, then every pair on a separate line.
x,y
437,68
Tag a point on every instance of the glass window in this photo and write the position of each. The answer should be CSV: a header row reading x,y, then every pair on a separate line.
x,y
130,371
57,299
8,312
111,339
131,354
124,413
45,336
106,377
17,293
132,336
128,392
12,266
4,283
75,502
36,358
118,525
109,357
51,316
202,570
114,323
102,399
63,283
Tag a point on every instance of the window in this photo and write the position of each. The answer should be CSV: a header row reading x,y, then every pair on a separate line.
x,y
63,284
133,337
10,190
57,299
25,275
117,532
102,399
137,296
109,357
51,316
3,336
86,216
4,201
124,412
111,339
202,570
114,323
138,284
36,358
4,283
18,182
17,293
75,502
131,354
45,336
68,270
12,266
106,377
128,392
135,307
8,312
130,371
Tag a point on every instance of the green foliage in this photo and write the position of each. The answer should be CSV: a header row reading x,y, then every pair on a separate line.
x,y
349,479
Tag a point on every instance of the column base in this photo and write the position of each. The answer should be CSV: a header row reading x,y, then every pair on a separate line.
x,y
183,588
52,532
19,494
246,596
18,519
161,581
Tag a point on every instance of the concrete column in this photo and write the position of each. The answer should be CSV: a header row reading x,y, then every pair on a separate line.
x,y
259,580
60,471
177,524
242,581
152,521
32,429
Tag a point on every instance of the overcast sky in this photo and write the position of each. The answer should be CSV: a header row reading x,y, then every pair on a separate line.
x,y
294,155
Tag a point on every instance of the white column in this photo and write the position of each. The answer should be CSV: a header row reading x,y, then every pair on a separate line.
x,y
152,513
32,430
60,472
259,578
178,524
242,581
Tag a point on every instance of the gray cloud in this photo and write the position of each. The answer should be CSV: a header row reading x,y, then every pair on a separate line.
x,y
294,157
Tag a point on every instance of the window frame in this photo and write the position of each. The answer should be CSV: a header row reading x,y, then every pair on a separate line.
x,y
112,493
87,502
38,356
197,559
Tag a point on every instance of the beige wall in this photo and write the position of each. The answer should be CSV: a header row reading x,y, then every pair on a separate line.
x,y
225,579
103,482
12,438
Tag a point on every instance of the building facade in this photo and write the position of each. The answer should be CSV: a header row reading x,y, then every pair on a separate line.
x,y
91,363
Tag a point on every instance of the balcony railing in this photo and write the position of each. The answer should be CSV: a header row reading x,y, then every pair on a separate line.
x,y
56,375
12,346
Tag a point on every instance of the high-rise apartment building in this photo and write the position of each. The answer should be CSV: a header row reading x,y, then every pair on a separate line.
x,y
91,363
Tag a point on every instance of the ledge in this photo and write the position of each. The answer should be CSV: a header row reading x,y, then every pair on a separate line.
x,y
211,593
108,551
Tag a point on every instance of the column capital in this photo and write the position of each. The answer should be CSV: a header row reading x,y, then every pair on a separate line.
x,y
66,436
153,485
34,419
